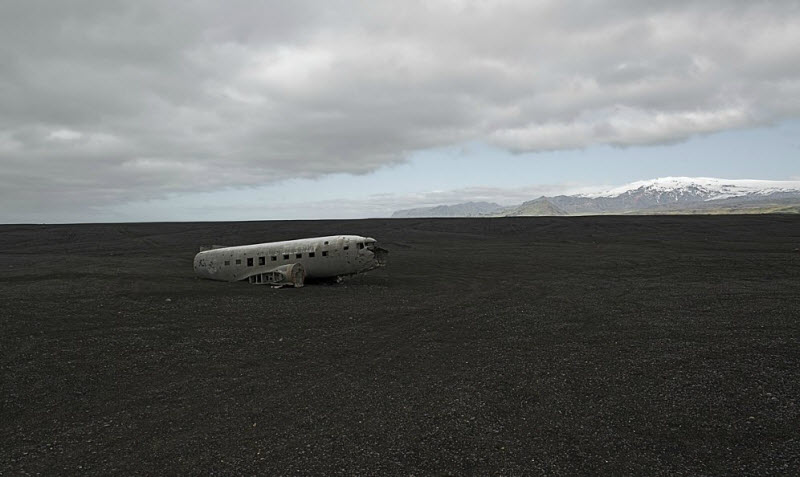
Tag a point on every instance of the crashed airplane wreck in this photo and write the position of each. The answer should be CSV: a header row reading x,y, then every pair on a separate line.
x,y
291,262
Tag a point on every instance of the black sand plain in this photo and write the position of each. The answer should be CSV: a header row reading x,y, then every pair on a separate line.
x,y
520,346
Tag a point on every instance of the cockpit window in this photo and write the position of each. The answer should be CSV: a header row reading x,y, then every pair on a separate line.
x,y
360,245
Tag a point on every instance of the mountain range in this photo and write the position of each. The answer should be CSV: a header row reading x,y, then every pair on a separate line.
x,y
667,195
467,209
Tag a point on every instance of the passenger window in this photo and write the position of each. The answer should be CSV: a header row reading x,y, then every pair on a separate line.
x,y
273,258
238,261
326,242
227,262
250,262
262,260
360,245
298,255
347,247
311,254
324,253
286,256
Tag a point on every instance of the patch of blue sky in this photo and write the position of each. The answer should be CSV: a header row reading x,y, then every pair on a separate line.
x,y
768,152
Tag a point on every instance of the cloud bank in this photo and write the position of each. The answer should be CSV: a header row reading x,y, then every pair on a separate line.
x,y
110,101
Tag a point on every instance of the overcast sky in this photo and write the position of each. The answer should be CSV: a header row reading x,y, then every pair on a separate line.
x,y
152,110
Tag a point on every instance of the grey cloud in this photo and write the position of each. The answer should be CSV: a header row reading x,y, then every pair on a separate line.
x,y
111,101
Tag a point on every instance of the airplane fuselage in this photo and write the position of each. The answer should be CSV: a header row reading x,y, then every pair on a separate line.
x,y
319,257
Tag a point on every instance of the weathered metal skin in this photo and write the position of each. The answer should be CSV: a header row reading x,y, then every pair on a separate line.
x,y
289,263
292,274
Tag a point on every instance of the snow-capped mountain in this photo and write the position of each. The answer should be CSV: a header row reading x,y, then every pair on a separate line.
x,y
669,195
677,193
673,189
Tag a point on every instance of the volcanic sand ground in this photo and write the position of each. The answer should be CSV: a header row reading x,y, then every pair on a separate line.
x,y
591,345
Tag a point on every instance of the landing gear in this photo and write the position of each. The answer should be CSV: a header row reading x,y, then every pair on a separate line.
x,y
291,275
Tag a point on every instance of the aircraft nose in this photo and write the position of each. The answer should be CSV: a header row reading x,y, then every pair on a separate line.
x,y
381,254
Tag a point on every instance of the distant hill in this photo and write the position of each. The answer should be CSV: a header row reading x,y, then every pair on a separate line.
x,y
534,208
467,209
669,195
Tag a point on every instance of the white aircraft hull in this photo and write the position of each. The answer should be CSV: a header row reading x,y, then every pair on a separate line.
x,y
289,263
